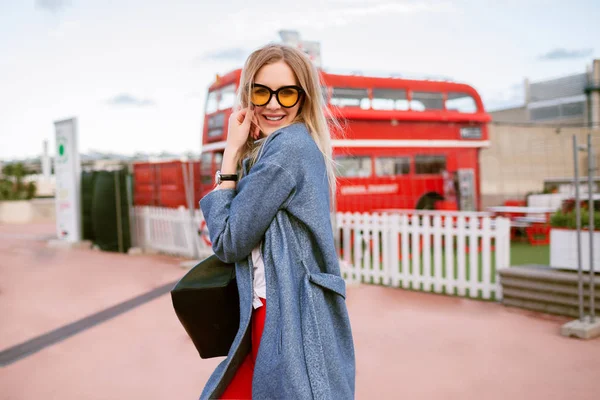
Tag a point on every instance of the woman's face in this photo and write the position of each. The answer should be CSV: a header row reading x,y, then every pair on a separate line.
x,y
272,116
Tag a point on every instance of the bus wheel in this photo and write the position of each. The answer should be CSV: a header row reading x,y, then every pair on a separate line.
x,y
428,200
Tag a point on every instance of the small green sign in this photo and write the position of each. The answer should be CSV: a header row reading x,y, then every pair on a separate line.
x,y
61,149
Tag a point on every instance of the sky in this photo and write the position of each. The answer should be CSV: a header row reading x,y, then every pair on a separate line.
x,y
135,73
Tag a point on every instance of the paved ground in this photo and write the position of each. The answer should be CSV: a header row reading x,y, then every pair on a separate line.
x,y
409,345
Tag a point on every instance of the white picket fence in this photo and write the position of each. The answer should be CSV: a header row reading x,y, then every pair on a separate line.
x,y
170,231
453,253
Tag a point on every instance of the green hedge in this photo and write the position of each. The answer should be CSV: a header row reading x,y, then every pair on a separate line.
x,y
568,220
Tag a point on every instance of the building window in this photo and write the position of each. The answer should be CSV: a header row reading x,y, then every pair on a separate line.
x,y
392,166
541,113
557,111
572,109
430,164
354,166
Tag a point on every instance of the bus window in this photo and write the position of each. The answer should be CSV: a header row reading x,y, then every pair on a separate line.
x,y
212,102
389,99
325,93
354,166
216,123
424,101
227,97
392,166
430,164
206,169
461,102
350,97
218,160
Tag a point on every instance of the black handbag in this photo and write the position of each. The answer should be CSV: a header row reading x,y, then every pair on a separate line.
x,y
206,301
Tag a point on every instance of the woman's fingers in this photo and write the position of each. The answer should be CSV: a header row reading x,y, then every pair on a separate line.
x,y
249,113
256,128
239,128
241,115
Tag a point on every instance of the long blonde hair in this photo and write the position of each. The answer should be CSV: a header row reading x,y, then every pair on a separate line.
x,y
312,112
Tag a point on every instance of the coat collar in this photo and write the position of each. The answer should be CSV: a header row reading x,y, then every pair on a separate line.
x,y
263,142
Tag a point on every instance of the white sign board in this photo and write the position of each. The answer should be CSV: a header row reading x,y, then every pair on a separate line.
x,y
67,169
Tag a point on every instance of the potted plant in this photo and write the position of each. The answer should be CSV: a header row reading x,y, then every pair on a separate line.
x,y
563,238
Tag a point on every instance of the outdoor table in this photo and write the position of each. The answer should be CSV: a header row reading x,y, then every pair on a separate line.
x,y
533,220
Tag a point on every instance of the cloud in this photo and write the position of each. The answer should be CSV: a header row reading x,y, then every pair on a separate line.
x,y
316,14
54,6
195,95
565,54
513,96
125,99
224,54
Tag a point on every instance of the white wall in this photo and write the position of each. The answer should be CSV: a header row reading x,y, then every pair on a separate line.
x,y
27,211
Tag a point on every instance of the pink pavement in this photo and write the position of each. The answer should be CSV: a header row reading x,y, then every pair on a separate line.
x,y
409,345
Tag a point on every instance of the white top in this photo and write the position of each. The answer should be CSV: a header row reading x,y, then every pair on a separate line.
x,y
260,287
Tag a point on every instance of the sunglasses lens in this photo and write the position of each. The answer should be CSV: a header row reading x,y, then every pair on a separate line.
x,y
288,97
260,96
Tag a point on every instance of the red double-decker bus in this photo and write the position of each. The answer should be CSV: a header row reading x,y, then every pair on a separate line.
x,y
406,144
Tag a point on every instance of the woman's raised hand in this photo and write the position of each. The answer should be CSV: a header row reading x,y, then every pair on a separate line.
x,y
240,124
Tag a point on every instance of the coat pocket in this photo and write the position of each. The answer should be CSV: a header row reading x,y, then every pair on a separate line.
x,y
331,282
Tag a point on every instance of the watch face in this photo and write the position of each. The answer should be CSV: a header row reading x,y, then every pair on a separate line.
x,y
218,178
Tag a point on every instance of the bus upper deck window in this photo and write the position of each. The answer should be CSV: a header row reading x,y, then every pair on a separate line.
x,y
212,102
389,99
354,166
227,97
425,101
461,102
350,97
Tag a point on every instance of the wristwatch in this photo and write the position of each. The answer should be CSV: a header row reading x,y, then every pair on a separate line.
x,y
219,177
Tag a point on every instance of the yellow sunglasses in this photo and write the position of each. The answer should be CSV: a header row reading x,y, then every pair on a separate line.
x,y
287,96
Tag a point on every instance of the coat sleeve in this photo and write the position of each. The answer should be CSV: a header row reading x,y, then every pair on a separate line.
x,y
237,219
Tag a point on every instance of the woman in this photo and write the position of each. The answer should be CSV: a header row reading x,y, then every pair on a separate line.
x,y
294,340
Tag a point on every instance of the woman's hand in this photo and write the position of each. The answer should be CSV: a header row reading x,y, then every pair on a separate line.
x,y
240,125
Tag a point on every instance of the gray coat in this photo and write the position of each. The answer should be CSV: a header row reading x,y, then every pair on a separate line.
x,y
306,351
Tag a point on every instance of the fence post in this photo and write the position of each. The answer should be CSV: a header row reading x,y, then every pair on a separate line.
x,y
449,250
486,259
437,253
591,171
405,253
118,209
394,253
426,276
146,222
473,257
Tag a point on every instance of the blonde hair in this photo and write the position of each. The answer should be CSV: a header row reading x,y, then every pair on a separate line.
x,y
312,112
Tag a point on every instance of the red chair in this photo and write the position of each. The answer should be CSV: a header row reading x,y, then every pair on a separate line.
x,y
538,234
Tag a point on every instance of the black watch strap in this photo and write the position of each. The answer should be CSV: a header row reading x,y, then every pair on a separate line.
x,y
229,177
219,177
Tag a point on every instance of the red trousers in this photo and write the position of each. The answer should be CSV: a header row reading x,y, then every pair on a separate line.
x,y
240,386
